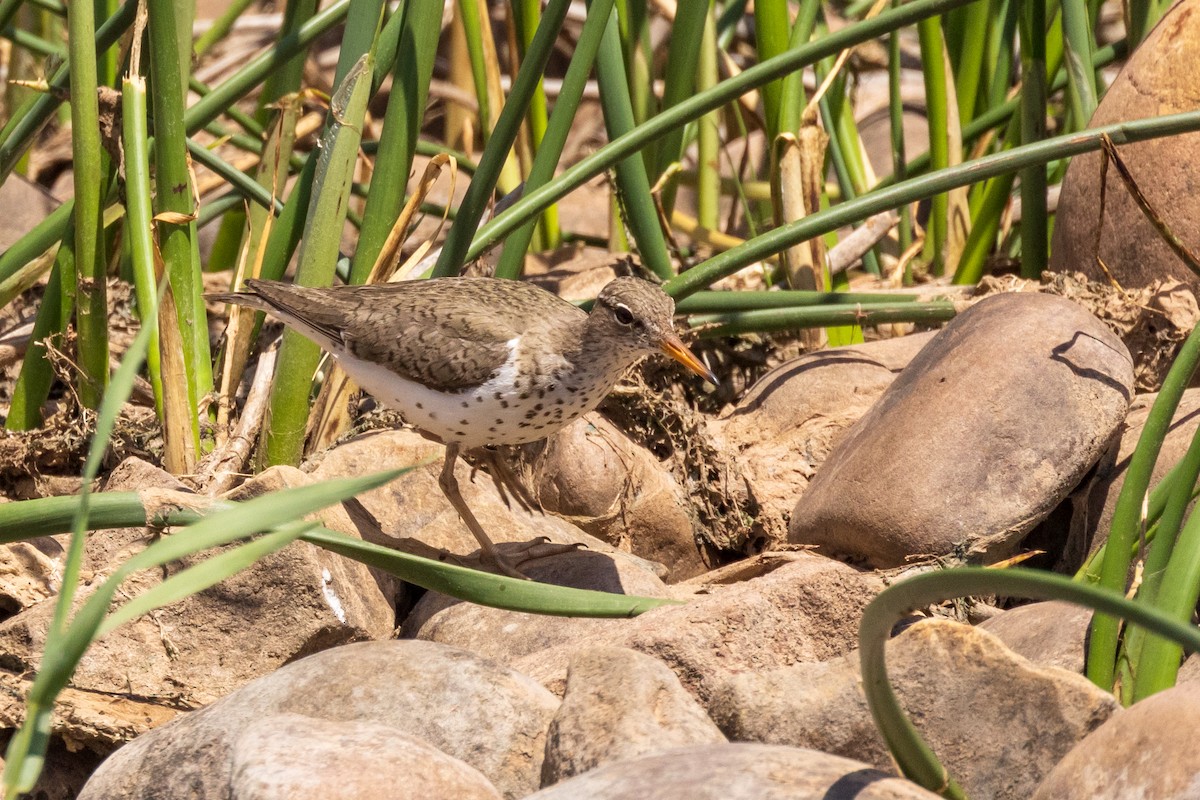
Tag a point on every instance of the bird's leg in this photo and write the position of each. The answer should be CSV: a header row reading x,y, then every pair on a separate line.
x,y
450,488
538,548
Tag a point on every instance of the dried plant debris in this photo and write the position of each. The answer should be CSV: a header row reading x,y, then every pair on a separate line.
x,y
1153,321
652,410
49,460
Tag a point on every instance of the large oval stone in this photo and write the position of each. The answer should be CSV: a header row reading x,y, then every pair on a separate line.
x,y
988,428
1158,79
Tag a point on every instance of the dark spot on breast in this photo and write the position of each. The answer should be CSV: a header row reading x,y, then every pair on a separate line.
x,y
463,422
504,404
478,398
465,404
524,395
538,407
497,395
420,406
499,421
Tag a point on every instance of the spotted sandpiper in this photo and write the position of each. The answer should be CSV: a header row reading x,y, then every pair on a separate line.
x,y
479,361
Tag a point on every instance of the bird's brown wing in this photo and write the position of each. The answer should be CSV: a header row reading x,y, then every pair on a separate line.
x,y
447,334
446,352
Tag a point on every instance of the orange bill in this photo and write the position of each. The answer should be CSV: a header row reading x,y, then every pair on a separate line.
x,y
673,346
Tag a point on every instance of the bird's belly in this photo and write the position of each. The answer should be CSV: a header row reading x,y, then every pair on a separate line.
x,y
496,413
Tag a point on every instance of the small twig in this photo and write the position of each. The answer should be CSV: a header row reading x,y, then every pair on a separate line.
x,y
851,249
1177,246
222,468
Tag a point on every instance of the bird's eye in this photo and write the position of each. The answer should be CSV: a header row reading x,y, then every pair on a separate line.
x,y
623,315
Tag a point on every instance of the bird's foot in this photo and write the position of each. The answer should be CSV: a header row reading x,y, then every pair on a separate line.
x,y
508,557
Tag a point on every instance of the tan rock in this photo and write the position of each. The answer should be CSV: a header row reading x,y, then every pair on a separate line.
x,y
596,477
790,419
1147,751
288,755
469,708
508,635
996,722
620,705
412,514
806,610
736,772
1050,634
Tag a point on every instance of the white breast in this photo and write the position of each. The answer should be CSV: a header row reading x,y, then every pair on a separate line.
x,y
498,412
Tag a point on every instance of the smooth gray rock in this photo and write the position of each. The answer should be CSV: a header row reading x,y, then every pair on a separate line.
x,y
1157,79
620,704
789,420
996,722
736,772
1147,752
470,708
288,755
981,436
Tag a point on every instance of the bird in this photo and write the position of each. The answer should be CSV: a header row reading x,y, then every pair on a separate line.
x,y
472,361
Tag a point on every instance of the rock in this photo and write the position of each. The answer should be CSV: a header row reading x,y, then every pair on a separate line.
x,y
63,773
806,610
1156,80
735,772
490,717
596,477
25,204
996,722
620,705
439,618
1146,751
412,514
1091,523
289,755
789,420
29,573
981,436
291,603
1050,634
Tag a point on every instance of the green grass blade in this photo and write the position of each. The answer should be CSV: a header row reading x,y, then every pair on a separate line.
x,y
512,260
1078,44
89,164
485,588
916,760
1034,217
470,211
771,26
679,81
1126,519
633,187
936,103
139,225
398,142
768,244
173,195
298,356
693,108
